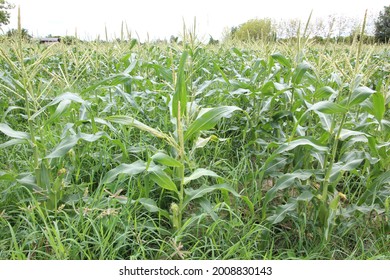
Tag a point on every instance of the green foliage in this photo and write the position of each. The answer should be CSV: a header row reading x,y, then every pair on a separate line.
x,y
382,26
70,40
14,33
255,29
4,13
257,151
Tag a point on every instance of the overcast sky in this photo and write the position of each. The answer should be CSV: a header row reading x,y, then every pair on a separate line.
x,y
161,19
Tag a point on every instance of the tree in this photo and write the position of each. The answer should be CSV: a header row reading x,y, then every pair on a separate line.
x,y
382,26
24,33
4,13
255,29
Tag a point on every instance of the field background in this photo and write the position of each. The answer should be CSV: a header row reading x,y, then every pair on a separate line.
x,y
182,150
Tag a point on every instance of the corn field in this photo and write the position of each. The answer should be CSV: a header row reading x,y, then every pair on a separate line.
x,y
259,150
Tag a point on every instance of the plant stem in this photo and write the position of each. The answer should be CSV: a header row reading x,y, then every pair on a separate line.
x,y
181,151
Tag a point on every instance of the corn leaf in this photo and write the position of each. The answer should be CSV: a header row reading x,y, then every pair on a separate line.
x,y
13,133
209,119
128,169
166,160
180,95
200,172
157,174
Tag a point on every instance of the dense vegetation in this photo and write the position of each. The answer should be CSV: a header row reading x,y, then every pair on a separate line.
x,y
186,151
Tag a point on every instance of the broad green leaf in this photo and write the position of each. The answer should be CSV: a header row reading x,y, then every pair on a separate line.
x,y
192,194
237,51
324,92
326,121
29,181
92,137
165,73
285,181
281,59
6,176
166,160
113,80
282,211
157,174
65,145
180,95
209,119
149,204
61,108
299,72
13,133
378,101
128,169
344,166
300,142
225,78
13,142
67,96
359,95
199,173
207,207
70,141
346,133
305,196
327,107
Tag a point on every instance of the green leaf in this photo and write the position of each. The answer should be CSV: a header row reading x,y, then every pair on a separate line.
x,y
67,97
13,142
281,59
166,160
359,95
199,173
13,133
113,80
324,92
344,166
346,133
305,196
6,176
157,174
282,211
128,169
378,101
299,72
149,204
327,107
61,108
207,207
70,141
192,194
209,119
180,95
237,51
285,181
300,142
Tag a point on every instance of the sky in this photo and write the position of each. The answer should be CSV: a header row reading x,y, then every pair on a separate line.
x,y
153,19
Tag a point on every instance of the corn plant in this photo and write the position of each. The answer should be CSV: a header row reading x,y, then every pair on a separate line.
x,y
171,169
